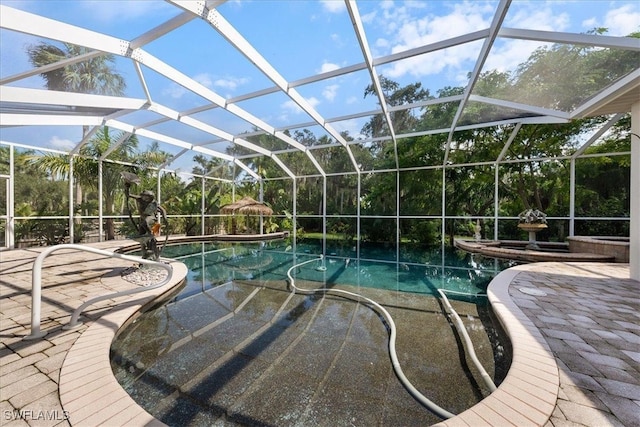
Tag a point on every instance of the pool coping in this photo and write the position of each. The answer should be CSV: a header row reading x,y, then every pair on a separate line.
x,y
89,392
529,392
527,396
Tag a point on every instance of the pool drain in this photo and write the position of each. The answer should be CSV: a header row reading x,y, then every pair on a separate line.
x,y
533,291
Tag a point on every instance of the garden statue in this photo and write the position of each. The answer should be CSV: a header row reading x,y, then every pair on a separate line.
x,y
148,224
532,221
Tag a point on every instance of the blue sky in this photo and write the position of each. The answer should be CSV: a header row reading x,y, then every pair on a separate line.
x,y
301,39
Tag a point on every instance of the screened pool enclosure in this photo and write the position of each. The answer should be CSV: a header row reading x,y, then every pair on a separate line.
x,y
394,123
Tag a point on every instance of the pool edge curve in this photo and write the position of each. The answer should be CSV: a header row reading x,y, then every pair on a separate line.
x,y
529,392
89,392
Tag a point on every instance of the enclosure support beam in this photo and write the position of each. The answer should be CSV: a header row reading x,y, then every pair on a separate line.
x,y
100,204
443,210
496,202
324,215
71,219
294,220
634,226
572,196
358,212
398,233
261,200
11,198
202,205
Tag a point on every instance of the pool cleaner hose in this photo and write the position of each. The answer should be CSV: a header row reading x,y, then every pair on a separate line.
x,y
467,342
442,413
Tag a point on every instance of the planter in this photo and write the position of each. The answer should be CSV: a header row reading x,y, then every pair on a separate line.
x,y
532,229
532,226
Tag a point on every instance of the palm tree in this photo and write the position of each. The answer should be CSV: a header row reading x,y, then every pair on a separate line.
x,y
85,168
95,75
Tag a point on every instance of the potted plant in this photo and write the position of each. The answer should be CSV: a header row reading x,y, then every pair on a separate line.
x,y
531,221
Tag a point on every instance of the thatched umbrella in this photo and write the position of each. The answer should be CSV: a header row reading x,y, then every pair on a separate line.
x,y
232,208
256,209
247,206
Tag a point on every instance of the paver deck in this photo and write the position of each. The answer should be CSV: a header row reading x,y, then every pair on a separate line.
x,y
30,370
575,333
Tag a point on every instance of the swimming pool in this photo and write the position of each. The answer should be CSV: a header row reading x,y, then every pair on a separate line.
x,y
237,347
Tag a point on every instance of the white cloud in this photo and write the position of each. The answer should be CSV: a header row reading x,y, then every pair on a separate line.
x,y
333,6
508,55
313,101
429,29
403,31
204,79
368,18
353,127
328,66
174,91
382,43
230,83
291,107
207,80
622,21
539,16
330,92
61,144
443,61
386,4
590,23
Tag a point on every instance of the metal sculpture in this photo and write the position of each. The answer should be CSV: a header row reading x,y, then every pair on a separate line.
x,y
149,215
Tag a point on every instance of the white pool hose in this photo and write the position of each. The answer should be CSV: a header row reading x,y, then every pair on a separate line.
x,y
467,341
442,413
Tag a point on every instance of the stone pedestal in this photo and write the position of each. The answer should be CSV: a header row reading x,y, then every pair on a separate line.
x,y
532,229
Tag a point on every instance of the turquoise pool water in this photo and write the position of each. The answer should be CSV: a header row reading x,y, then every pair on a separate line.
x,y
420,271
236,347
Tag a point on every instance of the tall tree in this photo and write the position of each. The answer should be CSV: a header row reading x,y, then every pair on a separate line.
x,y
394,95
563,75
96,75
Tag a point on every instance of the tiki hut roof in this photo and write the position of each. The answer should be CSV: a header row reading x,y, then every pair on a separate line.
x,y
247,206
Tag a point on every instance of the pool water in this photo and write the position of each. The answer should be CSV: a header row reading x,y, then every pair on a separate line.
x,y
422,272
236,347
